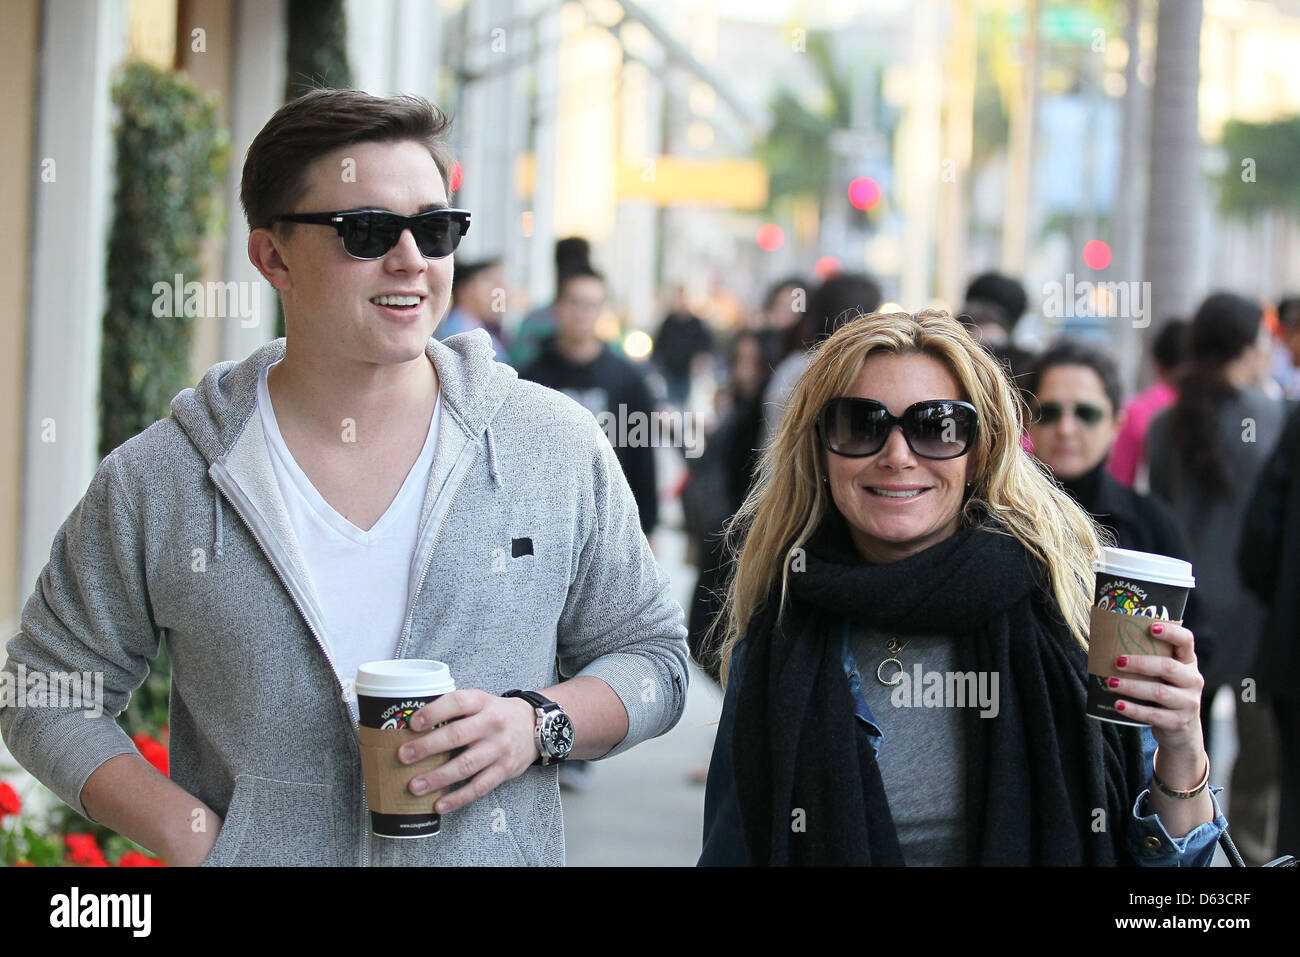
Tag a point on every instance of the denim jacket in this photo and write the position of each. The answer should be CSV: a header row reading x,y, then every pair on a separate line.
x,y
1148,840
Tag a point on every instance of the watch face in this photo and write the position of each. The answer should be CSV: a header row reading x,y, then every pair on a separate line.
x,y
557,735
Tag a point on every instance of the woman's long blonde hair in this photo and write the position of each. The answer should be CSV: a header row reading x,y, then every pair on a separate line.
x,y
789,499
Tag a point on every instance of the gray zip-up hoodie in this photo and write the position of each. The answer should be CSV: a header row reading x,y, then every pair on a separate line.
x,y
183,533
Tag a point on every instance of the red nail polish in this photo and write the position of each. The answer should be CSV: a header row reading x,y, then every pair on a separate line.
x,y
1157,628
1119,705
1113,682
1121,661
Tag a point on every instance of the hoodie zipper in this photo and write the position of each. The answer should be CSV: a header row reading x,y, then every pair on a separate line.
x,y
365,807
428,561
410,615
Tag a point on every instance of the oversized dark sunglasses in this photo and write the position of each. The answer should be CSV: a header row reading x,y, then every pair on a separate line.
x,y
371,233
934,429
1049,413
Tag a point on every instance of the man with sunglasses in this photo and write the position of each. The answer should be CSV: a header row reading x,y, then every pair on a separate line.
x,y
357,491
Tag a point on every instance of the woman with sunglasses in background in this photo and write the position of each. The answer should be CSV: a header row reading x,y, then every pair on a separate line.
x,y
1074,395
904,641
1203,455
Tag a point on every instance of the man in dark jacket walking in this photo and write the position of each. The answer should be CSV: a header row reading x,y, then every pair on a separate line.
x,y
682,336
579,364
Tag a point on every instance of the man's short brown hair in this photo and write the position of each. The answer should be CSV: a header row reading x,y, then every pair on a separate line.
x,y
318,122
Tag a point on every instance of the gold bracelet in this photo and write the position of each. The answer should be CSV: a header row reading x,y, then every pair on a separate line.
x,y
1174,792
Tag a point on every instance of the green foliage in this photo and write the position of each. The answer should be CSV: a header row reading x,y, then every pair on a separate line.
x,y
43,845
147,712
64,820
1271,181
171,157
797,150
995,75
318,54
22,842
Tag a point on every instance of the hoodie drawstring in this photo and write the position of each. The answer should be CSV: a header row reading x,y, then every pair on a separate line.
x,y
492,459
216,510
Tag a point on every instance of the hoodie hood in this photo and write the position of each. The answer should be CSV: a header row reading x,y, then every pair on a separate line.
x,y
473,387
472,384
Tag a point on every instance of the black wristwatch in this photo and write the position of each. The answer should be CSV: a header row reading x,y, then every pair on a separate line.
x,y
553,732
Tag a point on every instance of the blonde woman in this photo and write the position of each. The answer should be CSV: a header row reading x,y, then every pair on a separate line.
x,y
905,633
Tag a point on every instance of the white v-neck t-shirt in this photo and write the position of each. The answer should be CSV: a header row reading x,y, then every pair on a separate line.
x,y
360,577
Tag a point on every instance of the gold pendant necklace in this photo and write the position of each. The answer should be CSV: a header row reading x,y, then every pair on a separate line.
x,y
893,646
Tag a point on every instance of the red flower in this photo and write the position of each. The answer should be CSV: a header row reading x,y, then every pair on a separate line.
x,y
83,851
10,803
136,859
152,751
24,864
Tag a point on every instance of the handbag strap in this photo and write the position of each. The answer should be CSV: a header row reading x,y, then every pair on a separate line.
x,y
1230,849
1234,856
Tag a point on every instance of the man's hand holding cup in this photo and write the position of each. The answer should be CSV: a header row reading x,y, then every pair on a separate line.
x,y
495,737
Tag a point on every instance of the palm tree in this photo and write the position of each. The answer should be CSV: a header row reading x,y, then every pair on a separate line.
x,y
1126,224
1177,184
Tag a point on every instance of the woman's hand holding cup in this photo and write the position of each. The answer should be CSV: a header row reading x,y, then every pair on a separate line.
x,y
1170,704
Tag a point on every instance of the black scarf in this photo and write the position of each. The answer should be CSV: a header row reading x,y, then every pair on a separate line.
x,y
807,781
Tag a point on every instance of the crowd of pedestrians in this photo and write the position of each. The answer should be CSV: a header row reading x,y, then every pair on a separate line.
x,y
1182,469
1174,469
886,498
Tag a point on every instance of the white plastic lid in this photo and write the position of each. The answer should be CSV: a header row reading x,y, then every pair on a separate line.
x,y
399,677
1145,566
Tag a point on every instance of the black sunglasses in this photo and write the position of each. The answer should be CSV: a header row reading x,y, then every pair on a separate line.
x,y
1049,413
934,429
371,233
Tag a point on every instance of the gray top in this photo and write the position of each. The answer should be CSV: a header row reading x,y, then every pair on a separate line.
x,y
922,757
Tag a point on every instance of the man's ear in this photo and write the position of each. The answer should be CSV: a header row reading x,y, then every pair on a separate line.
x,y
264,254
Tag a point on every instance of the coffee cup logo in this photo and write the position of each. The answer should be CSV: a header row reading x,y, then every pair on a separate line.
x,y
1129,598
397,721
397,716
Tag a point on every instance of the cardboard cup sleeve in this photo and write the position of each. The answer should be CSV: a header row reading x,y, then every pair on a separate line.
x,y
388,779
1112,633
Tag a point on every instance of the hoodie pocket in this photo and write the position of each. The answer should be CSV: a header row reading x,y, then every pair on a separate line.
x,y
276,824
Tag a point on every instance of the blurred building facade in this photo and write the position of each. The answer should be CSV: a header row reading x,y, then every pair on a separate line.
x,y
562,115
634,125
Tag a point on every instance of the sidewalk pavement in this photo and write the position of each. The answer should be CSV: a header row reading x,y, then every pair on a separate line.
x,y
640,808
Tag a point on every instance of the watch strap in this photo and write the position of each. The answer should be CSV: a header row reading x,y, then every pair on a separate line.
x,y
533,698
542,703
